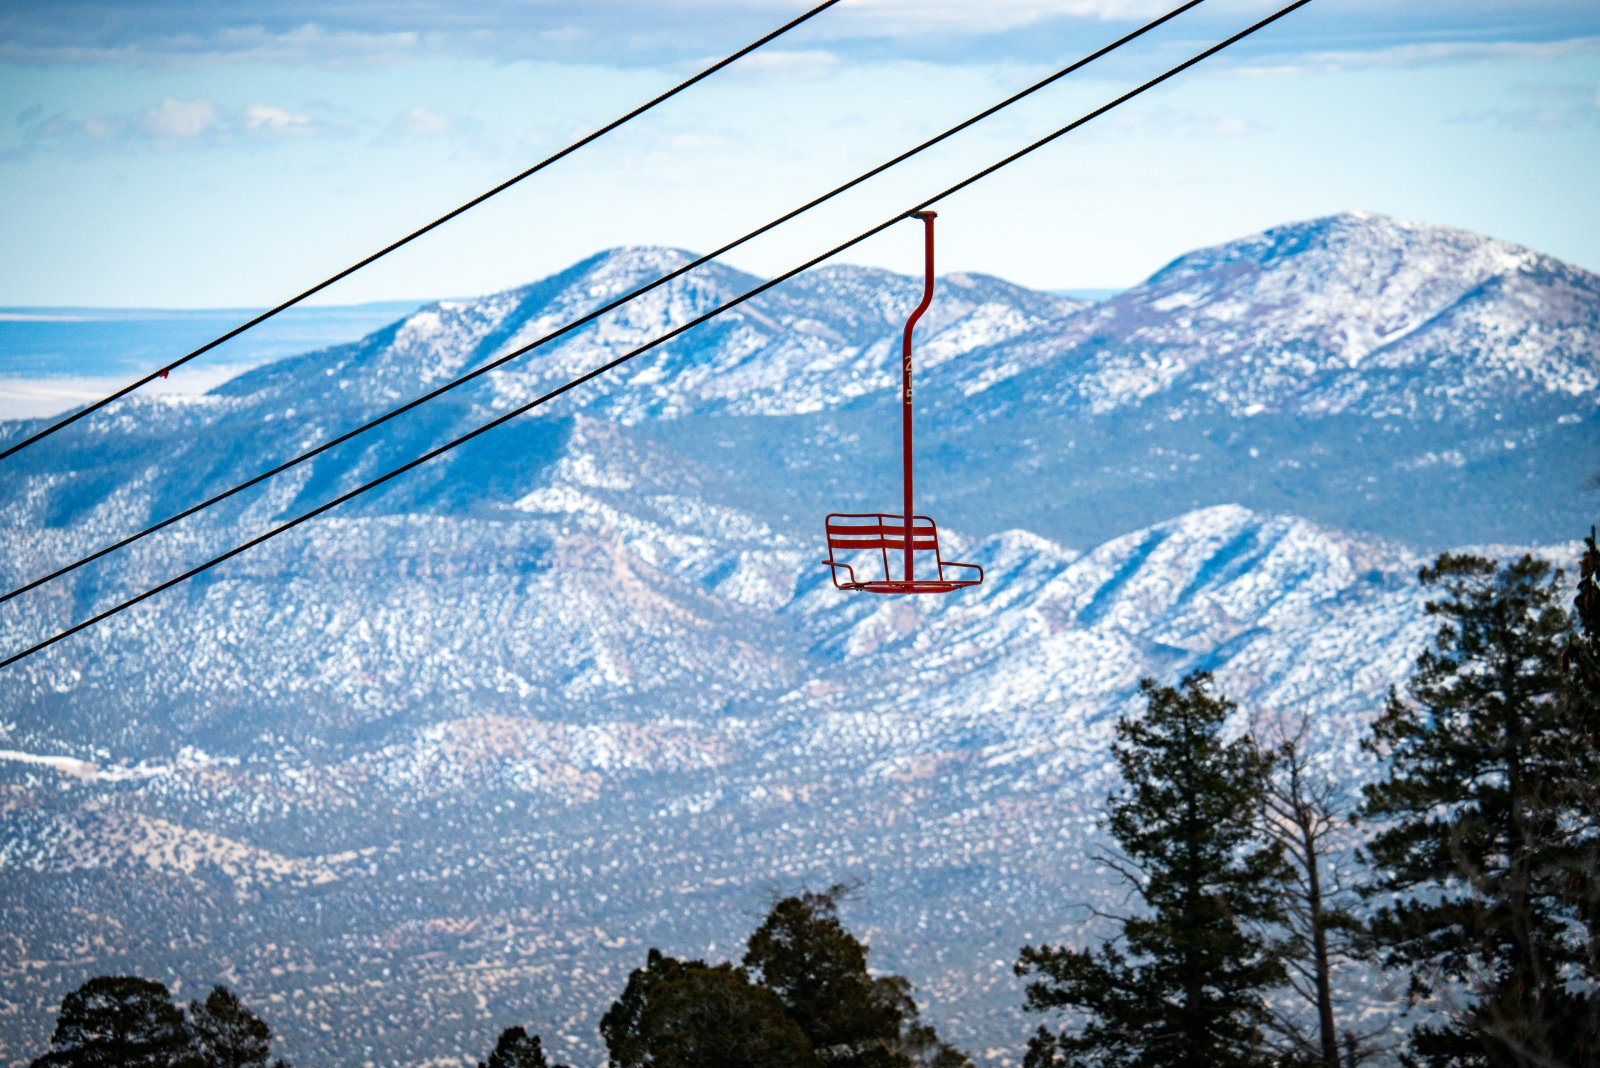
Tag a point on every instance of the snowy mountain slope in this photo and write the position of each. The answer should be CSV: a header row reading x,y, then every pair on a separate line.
x,y
812,343
618,691
421,750
581,687
1317,318
1367,373
1298,320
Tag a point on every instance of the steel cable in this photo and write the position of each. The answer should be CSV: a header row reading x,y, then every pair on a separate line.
x,y
161,372
617,302
662,339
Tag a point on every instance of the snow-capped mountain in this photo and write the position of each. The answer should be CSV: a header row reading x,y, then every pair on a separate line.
x,y
454,757
818,342
1355,313
1414,382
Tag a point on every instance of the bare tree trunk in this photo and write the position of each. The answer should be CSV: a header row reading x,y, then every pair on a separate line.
x,y
1303,810
1322,973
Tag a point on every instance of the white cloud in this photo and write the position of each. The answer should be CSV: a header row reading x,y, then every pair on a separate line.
x,y
271,119
1430,54
204,42
563,36
1169,122
652,33
425,122
421,123
695,142
262,45
1545,106
180,120
172,124
914,16
810,63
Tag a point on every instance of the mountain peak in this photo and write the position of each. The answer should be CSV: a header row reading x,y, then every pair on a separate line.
x,y
1401,310
613,271
661,257
1364,250
1350,312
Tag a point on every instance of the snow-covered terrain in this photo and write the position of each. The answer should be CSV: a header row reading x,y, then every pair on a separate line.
x,y
453,758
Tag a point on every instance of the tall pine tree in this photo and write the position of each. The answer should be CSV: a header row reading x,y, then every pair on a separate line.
x,y
226,1034
122,1021
1184,988
1580,881
1479,816
818,969
688,1014
517,1049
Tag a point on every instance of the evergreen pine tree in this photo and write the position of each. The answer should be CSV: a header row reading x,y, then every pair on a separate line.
x,y
818,969
225,1034
688,1014
803,954
918,1045
1580,880
1478,823
1185,989
517,1049
119,1022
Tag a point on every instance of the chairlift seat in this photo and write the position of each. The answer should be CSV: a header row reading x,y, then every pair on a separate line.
x,y
883,533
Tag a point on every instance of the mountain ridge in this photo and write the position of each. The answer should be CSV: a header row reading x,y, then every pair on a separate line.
x,y
583,687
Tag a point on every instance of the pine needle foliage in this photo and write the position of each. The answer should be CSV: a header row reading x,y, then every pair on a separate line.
x,y
689,1014
803,953
226,1034
1183,985
516,1048
119,1021
1486,845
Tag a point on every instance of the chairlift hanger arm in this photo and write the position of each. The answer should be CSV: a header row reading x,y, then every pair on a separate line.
x,y
662,339
591,316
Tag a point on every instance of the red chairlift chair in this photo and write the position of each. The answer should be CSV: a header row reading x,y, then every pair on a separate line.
x,y
883,532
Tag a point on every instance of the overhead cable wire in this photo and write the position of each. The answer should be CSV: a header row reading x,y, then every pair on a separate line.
x,y
613,364
589,317
161,372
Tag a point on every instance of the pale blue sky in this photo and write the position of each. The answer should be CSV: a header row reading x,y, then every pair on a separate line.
x,y
181,154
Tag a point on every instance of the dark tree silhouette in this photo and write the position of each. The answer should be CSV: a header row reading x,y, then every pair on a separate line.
x,y
919,1045
1579,886
688,1014
225,1034
1185,988
517,1049
818,969
119,1022
1485,844
123,1020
